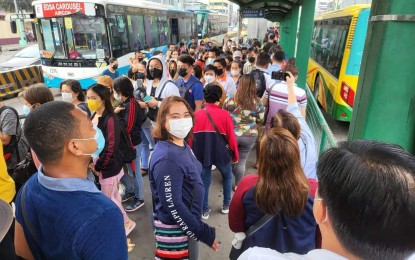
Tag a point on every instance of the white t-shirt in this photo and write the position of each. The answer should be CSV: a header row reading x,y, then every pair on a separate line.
x,y
259,253
229,84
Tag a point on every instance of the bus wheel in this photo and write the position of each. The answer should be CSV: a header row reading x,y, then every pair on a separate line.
x,y
316,88
318,84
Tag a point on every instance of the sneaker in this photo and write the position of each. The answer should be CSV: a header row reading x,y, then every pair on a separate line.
x,y
129,226
225,209
205,215
127,197
136,204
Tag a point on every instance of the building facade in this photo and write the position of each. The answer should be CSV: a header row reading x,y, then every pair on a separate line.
x,y
346,3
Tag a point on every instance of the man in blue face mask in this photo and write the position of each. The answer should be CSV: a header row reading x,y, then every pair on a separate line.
x,y
59,201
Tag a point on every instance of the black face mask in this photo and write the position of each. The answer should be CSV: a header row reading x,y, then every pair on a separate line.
x,y
192,53
140,75
219,72
156,73
172,72
115,66
182,72
251,59
140,59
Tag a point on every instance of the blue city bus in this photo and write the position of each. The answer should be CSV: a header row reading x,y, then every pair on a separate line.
x,y
76,38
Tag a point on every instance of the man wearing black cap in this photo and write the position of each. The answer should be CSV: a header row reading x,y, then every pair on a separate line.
x,y
270,43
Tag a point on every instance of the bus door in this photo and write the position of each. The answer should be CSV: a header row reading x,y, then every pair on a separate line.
x,y
174,36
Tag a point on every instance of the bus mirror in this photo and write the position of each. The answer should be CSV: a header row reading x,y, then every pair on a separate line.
x,y
13,26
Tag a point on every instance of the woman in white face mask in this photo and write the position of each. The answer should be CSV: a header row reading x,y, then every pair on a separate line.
x,y
210,77
176,184
72,93
236,72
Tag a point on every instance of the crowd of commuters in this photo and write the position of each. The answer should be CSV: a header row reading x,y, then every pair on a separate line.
x,y
197,108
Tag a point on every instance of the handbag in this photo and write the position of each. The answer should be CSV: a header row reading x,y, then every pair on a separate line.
x,y
231,153
268,105
23,171
235,252
152,112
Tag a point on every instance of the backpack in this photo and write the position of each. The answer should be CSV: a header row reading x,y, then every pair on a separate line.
x,y
152,112
12,147
259,81
126,147
184,92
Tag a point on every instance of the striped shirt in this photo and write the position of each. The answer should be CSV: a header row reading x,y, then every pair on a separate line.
x,y
279,99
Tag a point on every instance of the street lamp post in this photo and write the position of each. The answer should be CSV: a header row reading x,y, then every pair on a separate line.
x,y
22,41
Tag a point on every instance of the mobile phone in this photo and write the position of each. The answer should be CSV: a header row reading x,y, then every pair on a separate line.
x,y
279,75
147,98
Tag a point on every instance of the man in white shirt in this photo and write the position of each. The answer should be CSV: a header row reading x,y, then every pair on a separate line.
x,y
364,204
226,81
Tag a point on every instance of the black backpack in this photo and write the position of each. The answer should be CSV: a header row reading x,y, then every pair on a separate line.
x,y
12,147
126,147
259,81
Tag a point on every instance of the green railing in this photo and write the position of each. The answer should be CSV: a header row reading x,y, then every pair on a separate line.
x,y
315,120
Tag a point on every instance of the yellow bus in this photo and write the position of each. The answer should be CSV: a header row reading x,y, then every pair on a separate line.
x,y
335,57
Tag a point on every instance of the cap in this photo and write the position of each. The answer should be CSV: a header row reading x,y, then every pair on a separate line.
x,y
105,81
6,218
237,54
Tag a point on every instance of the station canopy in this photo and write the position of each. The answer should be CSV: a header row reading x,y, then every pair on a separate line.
x,y
274,9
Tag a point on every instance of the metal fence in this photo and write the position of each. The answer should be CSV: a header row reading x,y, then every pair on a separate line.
x,y
315,120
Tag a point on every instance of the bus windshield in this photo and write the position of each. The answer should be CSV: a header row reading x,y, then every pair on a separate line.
x,y
74,37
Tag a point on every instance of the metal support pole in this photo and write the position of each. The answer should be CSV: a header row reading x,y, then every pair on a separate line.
x,y
239,25
22,41
293,28
304,40
384,107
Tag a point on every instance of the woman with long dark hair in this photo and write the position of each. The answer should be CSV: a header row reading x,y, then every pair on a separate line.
x,y
72,92
132,116
281,191
247,111
108,165
176,185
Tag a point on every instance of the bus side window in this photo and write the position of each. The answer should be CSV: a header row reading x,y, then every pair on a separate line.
x,y
151,30
120,42
163,30
136,32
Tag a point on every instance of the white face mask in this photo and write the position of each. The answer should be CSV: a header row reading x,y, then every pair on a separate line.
x,y
180,128
209,79
67,97
234,72
117,97
211,60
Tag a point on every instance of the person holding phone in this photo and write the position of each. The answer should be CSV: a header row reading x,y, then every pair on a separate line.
x,y
279,96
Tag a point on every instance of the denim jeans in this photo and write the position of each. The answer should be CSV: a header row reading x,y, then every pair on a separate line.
x,y
147,140
245,145
226,171
138,185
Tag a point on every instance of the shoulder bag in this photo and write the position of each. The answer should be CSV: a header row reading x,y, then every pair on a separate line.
x,y
231,153
235,252
152,112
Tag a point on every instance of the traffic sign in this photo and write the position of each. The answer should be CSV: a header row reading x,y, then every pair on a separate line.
x,y
101,64
253,13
